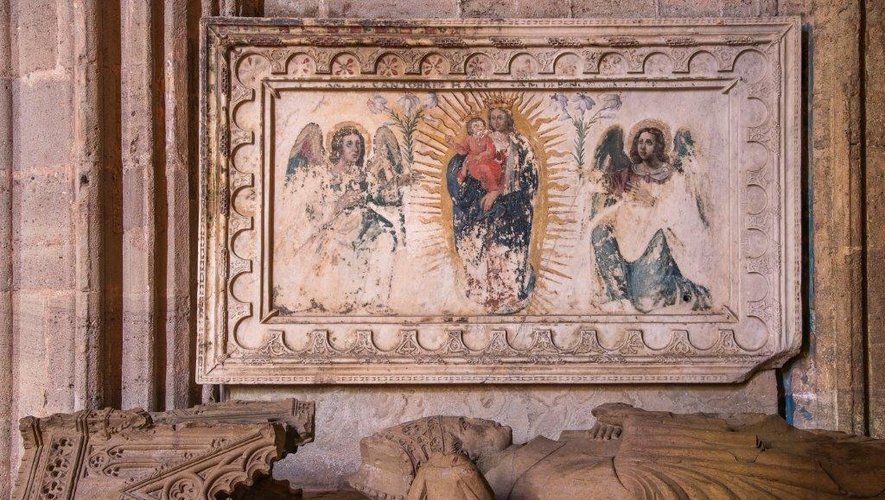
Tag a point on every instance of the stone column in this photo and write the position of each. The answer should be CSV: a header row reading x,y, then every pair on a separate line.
x,y
180,22
6,340
874,62
828,381
89,188
142,135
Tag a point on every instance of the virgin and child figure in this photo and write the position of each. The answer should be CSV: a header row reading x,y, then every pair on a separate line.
x,y
343,223
492,180
651,210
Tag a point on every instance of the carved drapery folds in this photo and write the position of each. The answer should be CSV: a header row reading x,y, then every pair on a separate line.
x,y
630,453
203,452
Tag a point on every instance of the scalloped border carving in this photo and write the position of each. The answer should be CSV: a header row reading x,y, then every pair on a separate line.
x,y
244,59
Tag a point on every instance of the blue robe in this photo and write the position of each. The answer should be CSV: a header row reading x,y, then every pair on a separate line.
x,y
509,221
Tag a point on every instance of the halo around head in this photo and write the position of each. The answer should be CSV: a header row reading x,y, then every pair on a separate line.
x,y
367,139
655,123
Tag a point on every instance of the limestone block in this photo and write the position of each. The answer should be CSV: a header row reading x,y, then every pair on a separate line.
x,y
36,34
741,8
204,452
391,8
58,333
495,9
793,7
615,8
293,8
689,8
66,27
543,8
29,373
44,266
44,208
43,123
768,7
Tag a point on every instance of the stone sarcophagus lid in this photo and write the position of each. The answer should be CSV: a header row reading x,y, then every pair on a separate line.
x,y
530,201
211,451
629,453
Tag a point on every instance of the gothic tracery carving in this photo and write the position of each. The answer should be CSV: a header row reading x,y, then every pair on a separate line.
x,y
194,454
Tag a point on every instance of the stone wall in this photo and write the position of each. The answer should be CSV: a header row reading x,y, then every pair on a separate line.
x,y
97,180
38,215
94,310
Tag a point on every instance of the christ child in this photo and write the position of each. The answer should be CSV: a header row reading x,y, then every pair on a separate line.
x,y
480,162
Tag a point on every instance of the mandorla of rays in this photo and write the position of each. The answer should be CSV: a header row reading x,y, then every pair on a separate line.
x,y
555,225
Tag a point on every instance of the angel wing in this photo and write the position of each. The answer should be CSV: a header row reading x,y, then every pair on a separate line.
x,y
683,149
385,168
386,176
610,157
685,162
387,150
307,150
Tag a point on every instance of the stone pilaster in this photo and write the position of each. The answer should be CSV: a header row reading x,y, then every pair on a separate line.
x,y
89,187
874,63
6,335
827,382
142,138
180,27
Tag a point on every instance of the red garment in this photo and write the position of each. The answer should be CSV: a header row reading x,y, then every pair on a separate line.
x,y
480,162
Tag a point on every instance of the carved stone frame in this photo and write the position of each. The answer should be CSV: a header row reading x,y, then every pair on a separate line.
x,y
765,208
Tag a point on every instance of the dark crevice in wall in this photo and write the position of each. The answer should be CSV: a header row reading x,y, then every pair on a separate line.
x,y
111,200
161,209
193,56
864,289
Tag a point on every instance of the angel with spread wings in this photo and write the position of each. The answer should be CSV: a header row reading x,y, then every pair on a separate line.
x,y
341,221
653,231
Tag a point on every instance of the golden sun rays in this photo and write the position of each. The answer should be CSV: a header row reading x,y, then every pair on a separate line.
x,y
555,225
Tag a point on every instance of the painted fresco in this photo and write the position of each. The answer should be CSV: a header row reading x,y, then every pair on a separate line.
x,y
530,201
484,203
